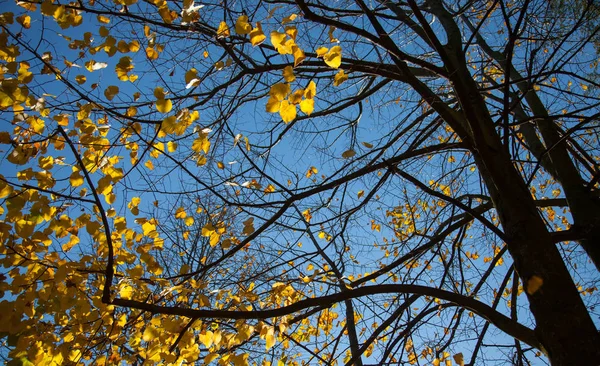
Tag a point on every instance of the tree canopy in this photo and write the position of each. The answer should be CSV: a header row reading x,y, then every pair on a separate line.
x,y
299,182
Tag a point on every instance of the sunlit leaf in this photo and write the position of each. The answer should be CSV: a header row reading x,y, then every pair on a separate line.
x,y
333,58
257,36
287,111
242,26
223,30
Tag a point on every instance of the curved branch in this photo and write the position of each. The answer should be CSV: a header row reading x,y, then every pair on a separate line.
x,y
501,321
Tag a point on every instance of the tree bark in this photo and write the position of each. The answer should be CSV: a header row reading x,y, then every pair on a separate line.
x,y
563,324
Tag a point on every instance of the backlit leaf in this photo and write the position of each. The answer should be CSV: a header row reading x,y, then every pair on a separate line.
x,y
164,105
287,111
242,26
223,30
257,36
333,58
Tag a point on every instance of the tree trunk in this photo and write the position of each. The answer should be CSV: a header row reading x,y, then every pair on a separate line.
x,y
564,326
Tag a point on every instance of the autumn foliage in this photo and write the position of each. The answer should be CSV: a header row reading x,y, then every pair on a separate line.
x,y
298,182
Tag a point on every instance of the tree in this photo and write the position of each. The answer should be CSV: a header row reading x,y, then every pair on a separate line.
x,y
299,182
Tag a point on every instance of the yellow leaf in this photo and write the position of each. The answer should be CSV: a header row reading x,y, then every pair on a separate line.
x,y
76,179
148,164
123,67
171,146
150,333
534,283
348,154
126,291
24,228
307,106
80,79
111,91
310,91
273,105
277,39
288,19
339,78
242,26
206,338
312,171
248,226
333,58
257,36
287,111
296,97
307,215
151,53
360,193
103,19
191,78
288,74
321,51
223,30
24,20
164,105
270,338
292,32
189,221
298,55
280,91
201,144
149,229
180,213
210,358
133,205
5,189
220,165
131,111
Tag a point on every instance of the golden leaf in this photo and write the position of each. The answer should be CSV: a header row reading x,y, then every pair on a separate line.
x,y
307,106
280,91
273,105
257,36
339,78
223,30
111,91
288,74
242,26
298,55
76,179
287,111
164,105
333,58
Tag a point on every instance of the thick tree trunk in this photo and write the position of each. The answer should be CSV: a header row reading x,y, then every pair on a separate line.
x,y
564,326
554,157
584,207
